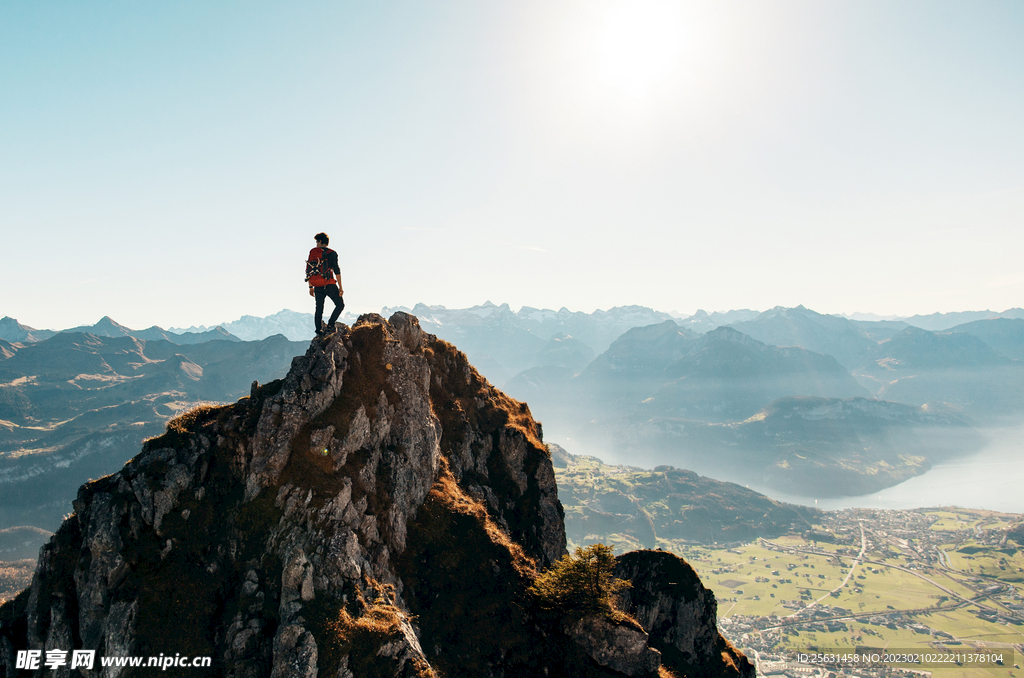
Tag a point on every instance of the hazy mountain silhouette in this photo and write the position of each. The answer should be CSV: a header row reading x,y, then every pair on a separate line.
x,y
832,335
108,327
702,321
938,322
662,394
803,446
914,348
19,543
76,406
634,365
501,342
880,330
917,367
597,330
730,376
565,351
665,370
14,332
1004,335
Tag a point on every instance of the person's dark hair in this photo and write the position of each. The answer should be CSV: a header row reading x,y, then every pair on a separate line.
x,y
322,237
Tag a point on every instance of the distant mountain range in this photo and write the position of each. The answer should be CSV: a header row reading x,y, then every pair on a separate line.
x,y
1004,335
732,407
722,393
702,321
293,325
12,331
76,405
479,329
939,322
804,446
788,398
501,343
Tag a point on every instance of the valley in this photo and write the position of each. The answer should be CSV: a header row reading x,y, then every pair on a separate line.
x,y
928,579
793,579
779,401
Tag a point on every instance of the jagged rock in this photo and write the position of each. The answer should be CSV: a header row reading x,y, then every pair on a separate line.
x,y
670,602
295,653
381,510
619,645
7,658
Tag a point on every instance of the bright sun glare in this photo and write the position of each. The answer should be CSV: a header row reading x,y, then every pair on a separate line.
x,y
616,72
637,48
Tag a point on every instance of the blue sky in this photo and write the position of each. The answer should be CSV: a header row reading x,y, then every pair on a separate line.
x,y
168,163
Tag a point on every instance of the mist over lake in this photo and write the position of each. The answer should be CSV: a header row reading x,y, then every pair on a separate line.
x,y
991,478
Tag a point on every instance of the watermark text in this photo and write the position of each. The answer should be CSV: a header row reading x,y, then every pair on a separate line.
x,y
86,659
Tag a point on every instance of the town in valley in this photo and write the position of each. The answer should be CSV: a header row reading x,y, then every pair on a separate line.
x,y
946,582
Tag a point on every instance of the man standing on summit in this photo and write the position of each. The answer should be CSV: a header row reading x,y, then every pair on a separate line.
x,y
324,278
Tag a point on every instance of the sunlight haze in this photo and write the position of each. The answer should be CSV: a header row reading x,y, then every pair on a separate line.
x,y
169,164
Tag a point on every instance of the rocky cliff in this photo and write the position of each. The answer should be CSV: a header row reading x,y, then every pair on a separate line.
x,y
670,602
381,511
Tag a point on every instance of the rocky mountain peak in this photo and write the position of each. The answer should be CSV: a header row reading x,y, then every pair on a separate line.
x,y
382,510
13,331
104,327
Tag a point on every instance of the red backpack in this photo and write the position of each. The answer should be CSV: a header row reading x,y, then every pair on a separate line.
x,y
318,273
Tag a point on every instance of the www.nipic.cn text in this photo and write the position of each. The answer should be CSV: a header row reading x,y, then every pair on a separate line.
x,y
86,659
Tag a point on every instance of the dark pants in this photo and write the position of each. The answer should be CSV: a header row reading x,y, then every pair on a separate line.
x,y
319,294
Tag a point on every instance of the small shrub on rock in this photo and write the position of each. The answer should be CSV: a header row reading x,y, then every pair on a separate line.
x,y
581,582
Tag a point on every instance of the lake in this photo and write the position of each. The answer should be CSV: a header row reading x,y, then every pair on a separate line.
x,y
992,478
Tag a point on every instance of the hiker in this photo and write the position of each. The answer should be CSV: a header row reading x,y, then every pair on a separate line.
x,y
324,278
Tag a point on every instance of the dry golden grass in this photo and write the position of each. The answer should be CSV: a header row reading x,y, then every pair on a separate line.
x,y
380,615
361,637
184,422
447,493
180,427
379,619
459,389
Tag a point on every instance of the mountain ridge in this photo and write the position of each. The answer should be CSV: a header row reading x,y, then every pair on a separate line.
x,y
77,406
568,385
634,508
382,479
13,331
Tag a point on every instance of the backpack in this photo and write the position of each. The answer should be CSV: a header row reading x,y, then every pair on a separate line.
x,y
318,272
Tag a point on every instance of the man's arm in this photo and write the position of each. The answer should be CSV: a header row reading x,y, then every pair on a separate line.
x,y
333,263
308,259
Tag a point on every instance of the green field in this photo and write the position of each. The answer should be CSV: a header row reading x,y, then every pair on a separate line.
x,y
929,576
799,574
1005,564
753,581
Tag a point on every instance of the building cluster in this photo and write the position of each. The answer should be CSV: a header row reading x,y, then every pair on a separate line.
x,y
906,540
